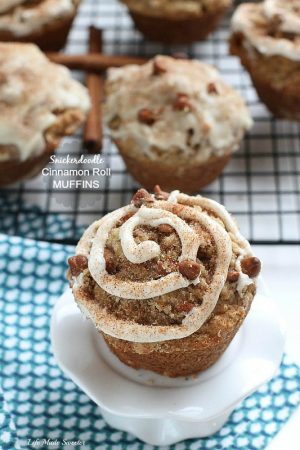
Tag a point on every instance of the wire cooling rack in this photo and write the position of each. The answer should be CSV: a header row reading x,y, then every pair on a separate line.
x,y
260,186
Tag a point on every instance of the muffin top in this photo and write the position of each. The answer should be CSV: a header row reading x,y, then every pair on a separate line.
x,y
184,9
34,95
22,17
173,105
271,27
6,5
155,270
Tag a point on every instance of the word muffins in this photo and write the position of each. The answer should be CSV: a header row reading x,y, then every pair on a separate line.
x,y
266,37
39,104
167,280
45,22
177,21
175,122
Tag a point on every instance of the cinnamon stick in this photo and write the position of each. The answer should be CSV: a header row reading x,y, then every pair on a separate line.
x,y
94,62
95,84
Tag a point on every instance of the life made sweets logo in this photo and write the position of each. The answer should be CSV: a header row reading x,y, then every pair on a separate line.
x,y
54,443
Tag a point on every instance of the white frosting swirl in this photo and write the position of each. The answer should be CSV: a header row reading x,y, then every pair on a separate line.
x,y
93,244
139,253
254,20
287,12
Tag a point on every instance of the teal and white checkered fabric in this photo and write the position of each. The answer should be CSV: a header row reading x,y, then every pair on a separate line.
x,y
32,223
45,404
8,436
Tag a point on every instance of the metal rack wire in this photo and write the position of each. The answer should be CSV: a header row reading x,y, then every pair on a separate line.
x,y
261,185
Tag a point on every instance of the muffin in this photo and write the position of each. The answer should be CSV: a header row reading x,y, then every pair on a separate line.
x,y
177,21
266,37
39,104
167,281
175,122
44,22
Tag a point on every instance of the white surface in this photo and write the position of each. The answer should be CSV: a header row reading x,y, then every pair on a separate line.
x,y
281,273
160,415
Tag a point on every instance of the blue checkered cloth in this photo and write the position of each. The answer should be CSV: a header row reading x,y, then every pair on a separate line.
x,y
44,404
29,220
8,436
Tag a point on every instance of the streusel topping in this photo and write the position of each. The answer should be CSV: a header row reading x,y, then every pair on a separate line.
x,y
155,270
175,103
33,91
271,27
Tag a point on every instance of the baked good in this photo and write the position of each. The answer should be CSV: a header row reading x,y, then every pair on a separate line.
x,y
43,22
266,37
39,104
177,21
167,280
175,122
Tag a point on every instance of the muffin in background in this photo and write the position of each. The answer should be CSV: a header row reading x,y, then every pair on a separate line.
x,y
177,21
167,280
266,37
175,122
39,104
45,23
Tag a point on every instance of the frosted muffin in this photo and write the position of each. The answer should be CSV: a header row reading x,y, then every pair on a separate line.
x,y
43,22
177,21
39,104
167,280
175,122
266,37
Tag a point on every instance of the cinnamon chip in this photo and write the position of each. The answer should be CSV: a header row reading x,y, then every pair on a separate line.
x,y
3,78
124,219
233,276
78,264
189,269
110,263
141,197
184,307
146,116
212,88
177,209
180,55
182,103
251,266
158,67
115,123
165,228
159,194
